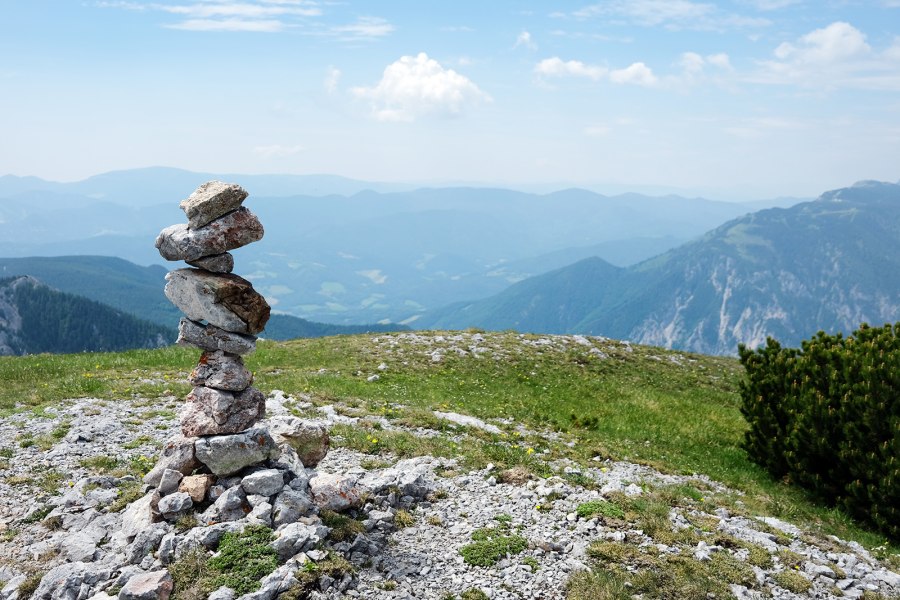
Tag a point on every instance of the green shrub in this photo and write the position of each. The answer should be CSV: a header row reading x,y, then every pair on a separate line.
x,y
827,417
244,559
490,544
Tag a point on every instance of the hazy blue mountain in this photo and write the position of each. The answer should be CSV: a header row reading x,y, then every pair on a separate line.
x,y
138,291
828,264
35,318
369,256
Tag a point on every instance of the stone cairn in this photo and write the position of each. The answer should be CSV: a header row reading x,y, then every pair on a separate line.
x,y
221,443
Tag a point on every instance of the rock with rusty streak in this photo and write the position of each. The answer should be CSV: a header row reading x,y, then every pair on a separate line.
x,y
215,412
221,299
221,371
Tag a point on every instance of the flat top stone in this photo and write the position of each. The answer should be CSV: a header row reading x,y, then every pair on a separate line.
x,y
210,201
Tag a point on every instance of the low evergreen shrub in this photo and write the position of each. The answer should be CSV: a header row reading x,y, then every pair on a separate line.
x,y
827,417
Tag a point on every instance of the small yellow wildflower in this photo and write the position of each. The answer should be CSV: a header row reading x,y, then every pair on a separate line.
x,y
374,440
530,451
604,469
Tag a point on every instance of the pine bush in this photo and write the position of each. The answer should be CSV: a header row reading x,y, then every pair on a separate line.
x,y
827,417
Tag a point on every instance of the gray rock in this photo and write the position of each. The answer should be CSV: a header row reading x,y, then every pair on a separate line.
x,y
174,505
223,593
289,506
137,517
166,552
217,263
287,459
210,337
309,439
237,228
267,482
210,201
156,585
217,412
221,299
228,454
65,582
335,492
410,476
298,537
177,454
145,542
261,514
169,481
221,371
230,506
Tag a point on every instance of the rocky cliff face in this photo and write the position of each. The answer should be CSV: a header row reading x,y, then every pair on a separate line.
x,y
830,264
10,319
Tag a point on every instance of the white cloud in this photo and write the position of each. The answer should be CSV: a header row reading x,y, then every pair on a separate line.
x,y
719,60
556,67
417,86
637,74
524,39
836,56
332,78
692,62
365,28
277,151
672,14
838,41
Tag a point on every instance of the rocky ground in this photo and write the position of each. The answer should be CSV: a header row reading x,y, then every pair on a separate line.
x,y
424,528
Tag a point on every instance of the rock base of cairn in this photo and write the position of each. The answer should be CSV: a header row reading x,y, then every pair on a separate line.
x,y
225,470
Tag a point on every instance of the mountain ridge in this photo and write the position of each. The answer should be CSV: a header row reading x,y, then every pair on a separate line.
x,y
831,264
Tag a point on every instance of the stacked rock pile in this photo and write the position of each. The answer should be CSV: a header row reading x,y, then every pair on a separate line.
x,y
223,466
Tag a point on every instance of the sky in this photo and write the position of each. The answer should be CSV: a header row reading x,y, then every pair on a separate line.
x,y
732,100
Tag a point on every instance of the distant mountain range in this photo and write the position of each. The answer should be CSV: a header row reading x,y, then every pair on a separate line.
x,y
828,264
343,251
35,318
119,293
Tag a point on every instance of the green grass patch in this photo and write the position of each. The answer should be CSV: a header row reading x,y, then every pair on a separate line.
x,y
343,528
490,544
603,508
792,581
242,560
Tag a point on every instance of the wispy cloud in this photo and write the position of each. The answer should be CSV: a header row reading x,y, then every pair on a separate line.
x,y
365,28
557,67
671,14
417,86
265,16
635,74
277,151
524,39
332,78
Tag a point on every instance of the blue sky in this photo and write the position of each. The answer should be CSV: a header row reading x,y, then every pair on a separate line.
x,y
740,99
